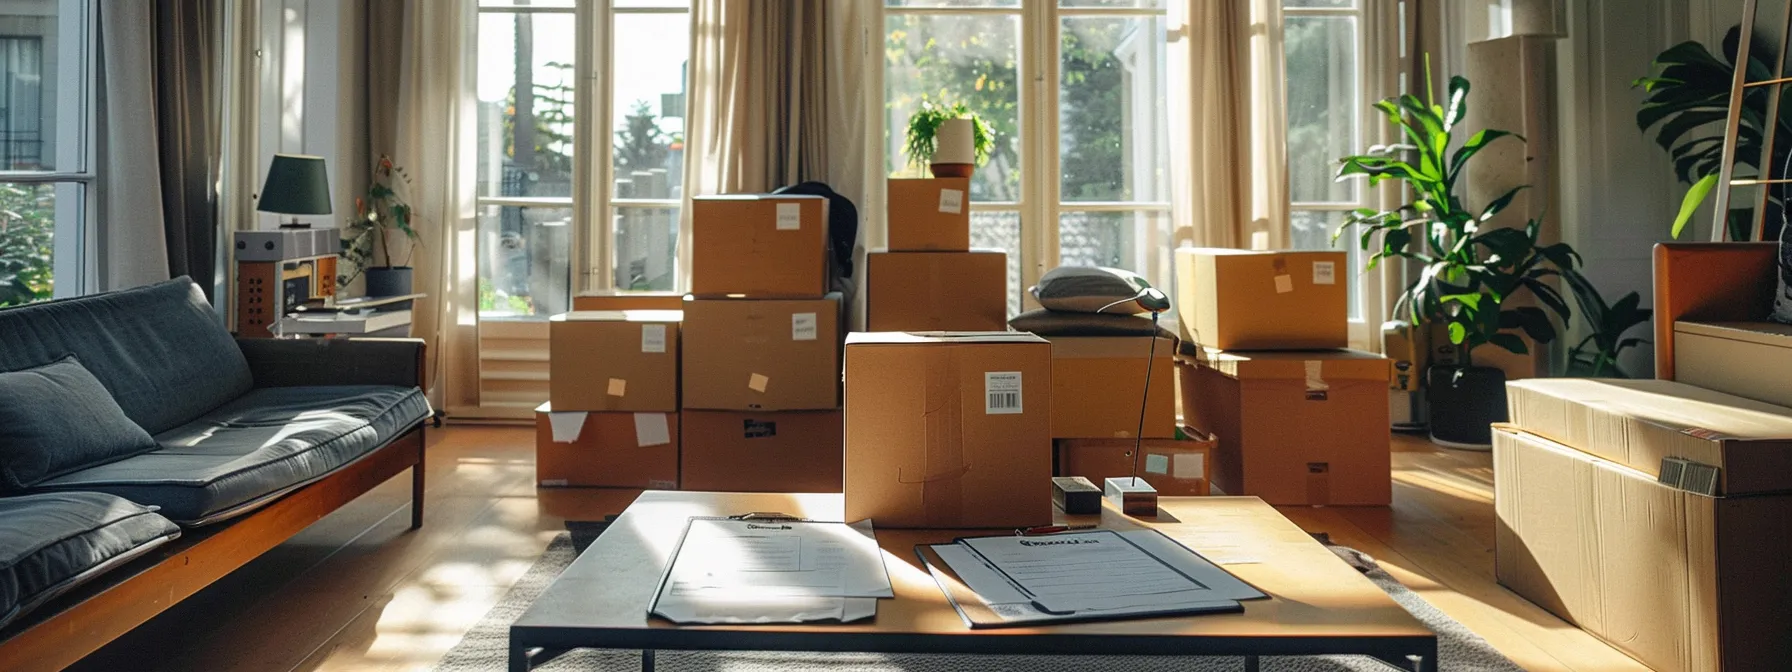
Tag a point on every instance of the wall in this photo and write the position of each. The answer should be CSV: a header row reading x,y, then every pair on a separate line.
x,y
312,94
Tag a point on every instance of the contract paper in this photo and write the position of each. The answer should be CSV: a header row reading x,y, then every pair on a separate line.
x,y
760,571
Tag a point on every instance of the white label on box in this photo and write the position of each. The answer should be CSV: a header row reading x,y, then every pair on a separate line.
x,y
790,216
658,484
1284,283
1157,464
553,482
1190,465
951,201
651,429
566,426
1325,272
653,338
618,387
802,326
1001,393
757,382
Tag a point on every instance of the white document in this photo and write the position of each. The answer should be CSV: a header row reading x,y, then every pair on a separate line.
x,y
760,571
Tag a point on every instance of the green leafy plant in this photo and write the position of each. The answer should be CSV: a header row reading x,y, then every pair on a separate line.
x,y
1689,98
27,231
379,216
1596,356
924,127
1467,273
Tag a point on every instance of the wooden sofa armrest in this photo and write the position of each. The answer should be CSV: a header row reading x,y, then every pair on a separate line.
x,y
1710,282
335,361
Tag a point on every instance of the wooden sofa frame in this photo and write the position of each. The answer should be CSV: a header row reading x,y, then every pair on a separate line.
x,y
68,628
1710,282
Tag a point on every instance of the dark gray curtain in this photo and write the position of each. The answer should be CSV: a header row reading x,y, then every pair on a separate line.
x,y
187,116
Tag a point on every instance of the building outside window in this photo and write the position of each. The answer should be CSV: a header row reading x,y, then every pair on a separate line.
x,y
45,170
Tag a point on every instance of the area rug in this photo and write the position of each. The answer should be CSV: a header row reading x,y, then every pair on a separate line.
x,y
486,646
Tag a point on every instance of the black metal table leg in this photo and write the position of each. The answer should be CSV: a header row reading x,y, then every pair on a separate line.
x,y
647,660
1252,664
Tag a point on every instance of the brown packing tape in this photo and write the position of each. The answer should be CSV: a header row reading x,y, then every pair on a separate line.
x,y
943,461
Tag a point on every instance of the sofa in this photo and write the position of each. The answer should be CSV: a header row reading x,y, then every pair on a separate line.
x,y
146,452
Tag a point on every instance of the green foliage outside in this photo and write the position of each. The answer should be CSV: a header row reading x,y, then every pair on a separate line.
x,y
640,144
27,231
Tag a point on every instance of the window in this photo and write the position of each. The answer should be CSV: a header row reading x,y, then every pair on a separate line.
x,y
1085,158
1325,93
45,169
532,232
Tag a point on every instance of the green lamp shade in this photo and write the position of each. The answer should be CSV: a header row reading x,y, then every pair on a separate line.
x,y
296,185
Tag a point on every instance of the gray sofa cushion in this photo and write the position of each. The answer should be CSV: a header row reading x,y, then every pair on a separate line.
x,y
57,418
1090,289
52,542
160,350
263,444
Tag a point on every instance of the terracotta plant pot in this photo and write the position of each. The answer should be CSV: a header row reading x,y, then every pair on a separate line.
x,y
954,149
952,169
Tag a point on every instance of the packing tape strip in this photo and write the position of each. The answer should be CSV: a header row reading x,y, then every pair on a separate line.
x,y
566,426
1315,375
618,387
943,462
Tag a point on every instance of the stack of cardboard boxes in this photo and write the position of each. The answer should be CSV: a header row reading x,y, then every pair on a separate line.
x,y
1099,384
930,279
612,413
1300,419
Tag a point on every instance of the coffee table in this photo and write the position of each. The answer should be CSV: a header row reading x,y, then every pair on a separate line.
x,y
1318,604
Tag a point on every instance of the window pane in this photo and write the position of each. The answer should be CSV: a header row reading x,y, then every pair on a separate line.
x,y
1001,231
531,4
1322,106
646,248
631,4
1313,230
1111,116
27,242
1138,241
31,90
525,91
953,58
649,70
1148,4
952,3
524,268
1322,4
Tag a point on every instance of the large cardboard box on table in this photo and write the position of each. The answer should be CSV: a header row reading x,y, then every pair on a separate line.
x,y
1294,427
1174,467
1677,580
762,354
1638,423
930,215
615,450
1253,300
948,430
623,299
1098,385
936,291
759,246
773,451
617,360
1747,359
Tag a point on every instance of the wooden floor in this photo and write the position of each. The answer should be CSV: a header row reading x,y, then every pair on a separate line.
x,y
360,591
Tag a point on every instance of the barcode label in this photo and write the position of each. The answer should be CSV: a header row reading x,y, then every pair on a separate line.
x,y
1002,393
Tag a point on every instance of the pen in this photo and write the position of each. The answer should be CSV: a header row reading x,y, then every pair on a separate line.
x,y
1052,529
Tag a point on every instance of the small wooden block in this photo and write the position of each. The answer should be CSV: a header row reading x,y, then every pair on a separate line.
x,y
1134,496
1076,495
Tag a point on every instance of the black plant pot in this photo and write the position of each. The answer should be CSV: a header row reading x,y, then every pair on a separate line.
x,y
388,281
1465,402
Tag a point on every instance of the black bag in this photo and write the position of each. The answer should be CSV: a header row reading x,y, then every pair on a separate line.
x,y
843,225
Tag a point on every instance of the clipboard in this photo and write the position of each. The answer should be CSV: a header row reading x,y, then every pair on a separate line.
x,y
759,609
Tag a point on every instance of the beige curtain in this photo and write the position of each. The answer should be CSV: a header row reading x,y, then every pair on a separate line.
x,y
1227,123
133,247
433,128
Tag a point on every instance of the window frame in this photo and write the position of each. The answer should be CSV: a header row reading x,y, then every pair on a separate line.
x,y
75,253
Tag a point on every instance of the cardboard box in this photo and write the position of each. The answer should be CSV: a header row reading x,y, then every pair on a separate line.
x,y
1747,359
612,450
621,299
936,291
1294,428
948,430
1253,300
759,246
1174,467
776,451
1098,384
1636,423
1677,580
931,215
614,360
762,355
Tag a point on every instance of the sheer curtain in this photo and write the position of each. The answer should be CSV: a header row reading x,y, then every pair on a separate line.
x,y
133,247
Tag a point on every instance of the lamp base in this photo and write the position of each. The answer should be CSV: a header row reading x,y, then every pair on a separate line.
x,y
294,224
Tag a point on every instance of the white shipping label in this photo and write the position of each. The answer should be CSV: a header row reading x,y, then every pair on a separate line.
x,y
565,427
1325,272
951,201
618,387
1157,464
651,429
790,216
653,338
757,382
1190,465
1001,393
1284,283
802,326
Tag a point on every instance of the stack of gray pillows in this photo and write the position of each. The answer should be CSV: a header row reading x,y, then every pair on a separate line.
x,y
1088,301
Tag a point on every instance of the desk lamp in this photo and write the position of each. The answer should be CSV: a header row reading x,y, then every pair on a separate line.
x,y
296,185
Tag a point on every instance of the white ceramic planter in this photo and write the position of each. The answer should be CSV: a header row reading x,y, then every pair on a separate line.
x,y
954,143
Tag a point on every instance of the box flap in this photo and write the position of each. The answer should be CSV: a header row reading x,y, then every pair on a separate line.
x,y
961,337
1764,333
620,316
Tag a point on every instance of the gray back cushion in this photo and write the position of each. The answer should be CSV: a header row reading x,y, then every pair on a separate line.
x,y
161,352
57,418
1090,289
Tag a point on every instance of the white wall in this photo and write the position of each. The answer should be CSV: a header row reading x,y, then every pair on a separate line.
x,y
310,94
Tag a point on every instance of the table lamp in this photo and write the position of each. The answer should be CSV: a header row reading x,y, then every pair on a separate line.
x,y
296,185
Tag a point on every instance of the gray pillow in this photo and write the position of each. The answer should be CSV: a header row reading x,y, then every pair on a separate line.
x,y
1090,289
57,418
1056,323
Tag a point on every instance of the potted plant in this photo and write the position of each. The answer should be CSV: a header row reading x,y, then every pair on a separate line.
x,y
378,217
1467,275
1596,355
952,140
